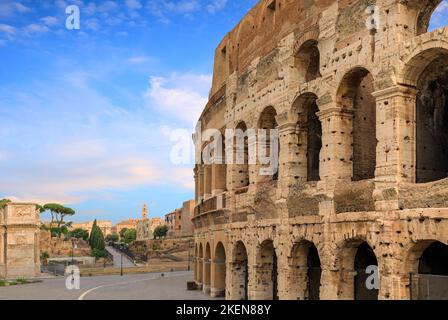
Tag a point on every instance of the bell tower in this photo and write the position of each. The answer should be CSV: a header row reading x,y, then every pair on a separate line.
x,y
145,212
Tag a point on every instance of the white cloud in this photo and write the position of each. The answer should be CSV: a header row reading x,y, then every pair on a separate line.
x,y
181,96
134,4
50,21
36,28
10,8
7,29
162,9
216,5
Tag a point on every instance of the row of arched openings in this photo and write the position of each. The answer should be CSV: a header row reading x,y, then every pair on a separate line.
x,y
357,260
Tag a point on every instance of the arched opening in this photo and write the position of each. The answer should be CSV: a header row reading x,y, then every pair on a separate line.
x,y
267,272
207,269
427,263
355,95
219,272
431,16
434,260
309,132
307,61
305,271
240,272
268,122
200,265
241,150
365,257
432,116
357,281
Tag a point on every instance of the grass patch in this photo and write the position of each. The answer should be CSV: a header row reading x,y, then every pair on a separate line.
x,y
16,282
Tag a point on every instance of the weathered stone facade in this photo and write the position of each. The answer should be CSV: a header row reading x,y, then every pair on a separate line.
x,y
19,240
362,115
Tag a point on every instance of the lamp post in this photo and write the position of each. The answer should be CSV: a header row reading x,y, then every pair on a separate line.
x,y
189,241
121,263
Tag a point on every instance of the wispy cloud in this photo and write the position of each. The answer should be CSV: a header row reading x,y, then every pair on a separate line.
x,y
11,8
181,96
216,5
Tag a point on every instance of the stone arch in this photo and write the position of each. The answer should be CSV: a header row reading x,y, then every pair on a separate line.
x,y
355,96
219,271
305,271
427,8
266,275
426,264
241,156
413,263
307,61
427,71
207,269
240,272
353,257
267,121
309,132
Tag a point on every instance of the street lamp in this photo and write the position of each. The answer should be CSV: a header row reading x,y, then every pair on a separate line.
x,y
121,263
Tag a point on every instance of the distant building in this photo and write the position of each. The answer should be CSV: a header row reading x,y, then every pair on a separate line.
x,y
128,224
145,227
187,215
104,225
179,221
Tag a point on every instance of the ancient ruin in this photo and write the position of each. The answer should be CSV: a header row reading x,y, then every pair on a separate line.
x,y
358,91
19,241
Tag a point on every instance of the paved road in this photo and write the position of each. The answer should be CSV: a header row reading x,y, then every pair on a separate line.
x,y
127,263
150,286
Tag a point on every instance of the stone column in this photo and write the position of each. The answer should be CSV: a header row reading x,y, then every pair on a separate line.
x,y
207,181
218,279
337,139
200,183
396,149
329,284
292,162
206,276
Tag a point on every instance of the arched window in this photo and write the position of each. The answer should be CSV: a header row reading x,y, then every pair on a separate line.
x,y
355,95
307,61
268,122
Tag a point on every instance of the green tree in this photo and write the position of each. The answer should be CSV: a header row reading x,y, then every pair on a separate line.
x,y
122,232
160,231
58,213
112,237
4,202
96,240
79,233
130,235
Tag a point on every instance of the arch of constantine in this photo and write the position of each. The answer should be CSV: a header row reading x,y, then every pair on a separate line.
x,y
19,241
358,91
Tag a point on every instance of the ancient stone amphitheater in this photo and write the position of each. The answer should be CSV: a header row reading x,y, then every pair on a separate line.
x,y
358,91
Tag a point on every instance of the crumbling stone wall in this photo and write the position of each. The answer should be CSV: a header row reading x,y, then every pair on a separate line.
x,y
370,105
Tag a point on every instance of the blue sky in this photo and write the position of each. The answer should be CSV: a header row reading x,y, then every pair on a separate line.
x,y
86,115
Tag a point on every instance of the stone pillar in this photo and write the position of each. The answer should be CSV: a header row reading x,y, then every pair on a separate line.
x,y
329,284
337,139
207,181
218,178
396,149
206,276
218,283
200,183
292,160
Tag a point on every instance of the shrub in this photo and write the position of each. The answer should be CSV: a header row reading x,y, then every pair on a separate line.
x,y
99,253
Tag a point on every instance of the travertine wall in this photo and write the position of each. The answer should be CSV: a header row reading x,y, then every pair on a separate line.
x,y
19,241
364,200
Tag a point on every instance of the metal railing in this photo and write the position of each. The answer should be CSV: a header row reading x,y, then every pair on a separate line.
x,y
428,287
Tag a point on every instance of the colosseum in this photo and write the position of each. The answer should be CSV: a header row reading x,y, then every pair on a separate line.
x,y
358,93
